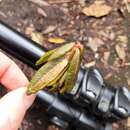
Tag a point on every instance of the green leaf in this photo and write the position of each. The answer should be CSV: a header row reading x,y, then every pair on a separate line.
x,y
45,57
37,37
58,77
59,73
62,80
56,40
72,72
38,75
46,74
54,88
57,86
61,51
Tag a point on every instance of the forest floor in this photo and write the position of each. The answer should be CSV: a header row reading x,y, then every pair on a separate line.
x,y
102,26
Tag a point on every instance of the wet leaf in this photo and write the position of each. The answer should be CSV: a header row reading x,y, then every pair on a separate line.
x,y
61,51
41,81
97,9
72,72
37,37
56,40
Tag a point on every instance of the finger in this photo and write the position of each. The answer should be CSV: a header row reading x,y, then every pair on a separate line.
x,y
10,75
13,107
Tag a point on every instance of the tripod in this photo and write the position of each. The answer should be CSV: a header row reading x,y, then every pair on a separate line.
x,y
91,100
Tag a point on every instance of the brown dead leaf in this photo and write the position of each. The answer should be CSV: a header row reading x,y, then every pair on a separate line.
x,y
94,43
127,76
90,64
82,2
106,58
56,40
122,39
120,51
108,76
29,30
128,81
59,1
128,122
52,127
41,12
98,9
3,14
49,29
39,2
127,3
37,37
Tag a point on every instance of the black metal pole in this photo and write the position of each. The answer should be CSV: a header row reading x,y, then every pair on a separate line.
x,y
19,46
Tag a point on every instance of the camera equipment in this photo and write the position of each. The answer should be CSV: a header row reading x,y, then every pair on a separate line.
x,y
92,104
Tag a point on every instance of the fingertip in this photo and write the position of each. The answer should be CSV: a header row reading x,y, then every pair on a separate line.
x,y
13,107
10,74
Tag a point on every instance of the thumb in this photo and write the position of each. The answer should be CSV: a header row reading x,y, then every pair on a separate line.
x,y
13,107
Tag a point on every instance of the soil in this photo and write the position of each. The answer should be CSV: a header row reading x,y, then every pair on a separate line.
x,y
67,21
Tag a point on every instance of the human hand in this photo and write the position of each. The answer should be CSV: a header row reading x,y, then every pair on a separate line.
x,y
14,104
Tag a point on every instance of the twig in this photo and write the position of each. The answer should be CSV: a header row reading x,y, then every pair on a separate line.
x,y
60,1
